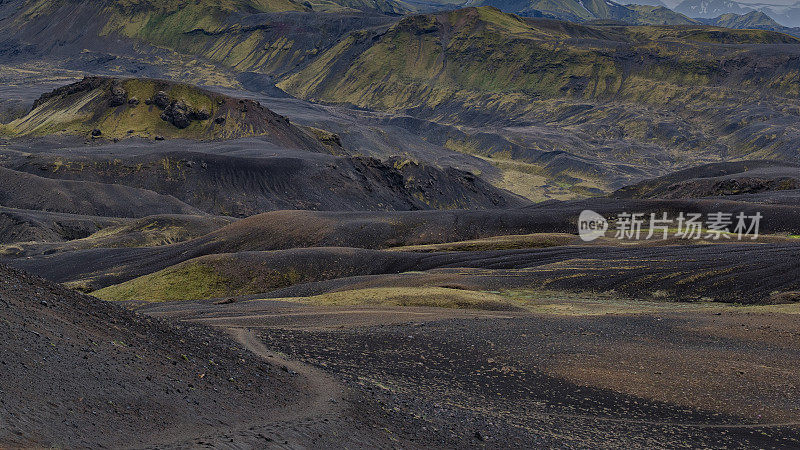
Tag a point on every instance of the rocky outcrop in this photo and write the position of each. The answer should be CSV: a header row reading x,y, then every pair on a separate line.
x,y
119,96
201,114
85,85
161,99
111,107
177,113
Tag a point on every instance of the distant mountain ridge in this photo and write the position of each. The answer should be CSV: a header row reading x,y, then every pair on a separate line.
x,y
477,65
588,10
707,9
787,16
721,13
724,13
754,20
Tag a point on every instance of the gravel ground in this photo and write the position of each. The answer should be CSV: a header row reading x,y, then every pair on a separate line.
x,y
496,381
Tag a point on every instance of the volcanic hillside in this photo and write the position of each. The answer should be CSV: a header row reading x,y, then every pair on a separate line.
x,y
118,108
647,96
263,36
434,58
720,179
78,372
241,187
563,110
270,251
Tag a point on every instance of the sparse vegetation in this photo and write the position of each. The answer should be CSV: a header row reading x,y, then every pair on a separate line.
x,y
354,265
187,281
438,297
538,240
85,108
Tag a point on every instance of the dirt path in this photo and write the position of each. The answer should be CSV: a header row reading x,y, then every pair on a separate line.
x,y
324,388
323,401
469,361
325,393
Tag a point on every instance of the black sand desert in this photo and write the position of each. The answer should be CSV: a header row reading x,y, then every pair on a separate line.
x,y
392,224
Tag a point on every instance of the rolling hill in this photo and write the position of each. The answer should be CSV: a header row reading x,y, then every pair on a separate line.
x,y
95,268
125,108
240,187
431,60
719,180
28,191
642,96
79,372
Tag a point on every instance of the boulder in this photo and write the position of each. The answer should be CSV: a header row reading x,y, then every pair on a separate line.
x,y
119,96
178,114
201,114
161,99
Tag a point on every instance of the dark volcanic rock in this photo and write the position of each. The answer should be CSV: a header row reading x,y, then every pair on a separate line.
x,y
87,84
178,114
161,99
181,115
201,114
118,96
57,341
718,179
96,132
28,191
133,101
242,186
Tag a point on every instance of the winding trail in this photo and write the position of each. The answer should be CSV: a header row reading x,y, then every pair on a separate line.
x,y
325,393
324,401
324,388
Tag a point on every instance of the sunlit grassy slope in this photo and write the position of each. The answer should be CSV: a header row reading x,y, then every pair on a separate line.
x,y
84,107
483,57
183,282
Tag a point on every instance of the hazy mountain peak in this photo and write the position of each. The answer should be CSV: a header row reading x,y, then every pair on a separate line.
x,y
708,9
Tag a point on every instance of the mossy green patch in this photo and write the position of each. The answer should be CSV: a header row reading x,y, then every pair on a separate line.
x,y
85,106
537,240
481,57
438,297
182,282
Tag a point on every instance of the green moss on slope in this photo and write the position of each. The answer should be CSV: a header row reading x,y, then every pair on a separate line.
x,y
481,57
183,282
86,107
202,278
